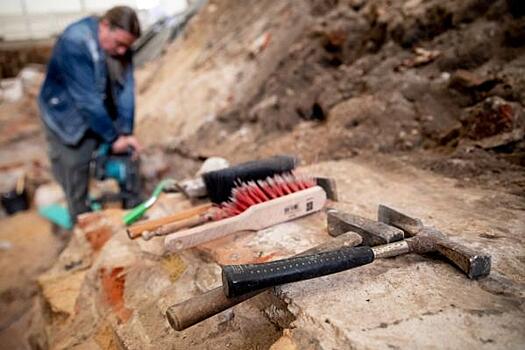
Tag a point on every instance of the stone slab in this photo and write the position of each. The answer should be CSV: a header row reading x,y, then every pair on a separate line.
x,y
417,301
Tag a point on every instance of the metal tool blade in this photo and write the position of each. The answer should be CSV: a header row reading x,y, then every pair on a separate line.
x,y
389,216
373,232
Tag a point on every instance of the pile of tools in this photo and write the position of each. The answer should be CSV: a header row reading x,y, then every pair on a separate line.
x,y
357,241
271,197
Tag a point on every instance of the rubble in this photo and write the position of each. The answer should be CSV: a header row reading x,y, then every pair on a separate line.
x,y
490,117
422,57
11,90
416,104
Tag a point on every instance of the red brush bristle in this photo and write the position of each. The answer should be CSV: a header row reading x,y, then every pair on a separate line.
x,y
244,195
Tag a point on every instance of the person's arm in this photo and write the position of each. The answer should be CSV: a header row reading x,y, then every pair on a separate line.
x,y
78,70
125,102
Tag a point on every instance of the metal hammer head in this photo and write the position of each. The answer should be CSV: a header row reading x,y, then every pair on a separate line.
x,y
373,232
428,239
329,186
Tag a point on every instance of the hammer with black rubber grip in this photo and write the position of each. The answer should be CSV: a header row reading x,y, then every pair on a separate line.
x,y
240,279
212,302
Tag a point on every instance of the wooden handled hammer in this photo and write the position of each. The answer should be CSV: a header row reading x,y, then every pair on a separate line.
x,y
210,303
240,279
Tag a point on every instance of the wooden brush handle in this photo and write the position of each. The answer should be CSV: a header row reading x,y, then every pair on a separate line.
x,y
210,303
256,217
194,236
136,230
177,225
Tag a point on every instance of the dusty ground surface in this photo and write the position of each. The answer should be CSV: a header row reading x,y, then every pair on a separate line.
x,y
417,104
422,300
33,248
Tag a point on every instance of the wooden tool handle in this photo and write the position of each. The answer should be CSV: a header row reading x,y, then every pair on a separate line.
x,y
179,225
203,306
194,236
256,217
136,230
210,303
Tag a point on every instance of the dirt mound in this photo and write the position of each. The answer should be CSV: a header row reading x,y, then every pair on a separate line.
x,y
225,54
391,77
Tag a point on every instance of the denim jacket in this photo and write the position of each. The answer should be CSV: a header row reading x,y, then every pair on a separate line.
x,y
72,98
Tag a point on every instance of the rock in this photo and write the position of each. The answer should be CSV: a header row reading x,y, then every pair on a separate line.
x,y
502,139
154,164
260,44
265,106
212,164
284,343
60,292
420,58
154,246
479,45
318,304
98,227
98,236
11,90
488,118
32,77
466,81
125,292
434,20
48,194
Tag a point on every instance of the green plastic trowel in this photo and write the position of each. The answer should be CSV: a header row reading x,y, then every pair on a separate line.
x,y
137,212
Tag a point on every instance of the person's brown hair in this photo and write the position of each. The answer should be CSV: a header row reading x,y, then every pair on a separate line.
x,y
125,18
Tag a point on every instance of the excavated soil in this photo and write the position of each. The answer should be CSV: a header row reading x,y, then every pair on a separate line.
x,y
431,84
439,84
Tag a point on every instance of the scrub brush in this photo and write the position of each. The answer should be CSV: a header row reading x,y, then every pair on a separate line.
x,y
217,185
254,205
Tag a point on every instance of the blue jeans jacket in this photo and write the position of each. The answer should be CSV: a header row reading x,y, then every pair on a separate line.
x,y
72,98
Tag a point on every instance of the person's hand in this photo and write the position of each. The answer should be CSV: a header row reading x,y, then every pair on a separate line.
x,y
123,143
134,143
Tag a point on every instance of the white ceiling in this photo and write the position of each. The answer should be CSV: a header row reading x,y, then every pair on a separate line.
x,y
35,19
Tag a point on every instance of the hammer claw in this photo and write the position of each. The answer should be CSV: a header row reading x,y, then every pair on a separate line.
x,y
397,219
373,233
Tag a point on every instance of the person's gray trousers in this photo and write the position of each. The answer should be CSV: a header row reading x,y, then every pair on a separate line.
x,y
70,166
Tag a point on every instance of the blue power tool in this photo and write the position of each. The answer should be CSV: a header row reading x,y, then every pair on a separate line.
x,y
122,168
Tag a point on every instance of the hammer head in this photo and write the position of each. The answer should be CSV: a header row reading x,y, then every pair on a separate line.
x,y
372,232
397,219
329,186
428,239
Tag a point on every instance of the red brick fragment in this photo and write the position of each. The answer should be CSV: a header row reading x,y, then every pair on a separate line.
x,y
99,236
113,284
